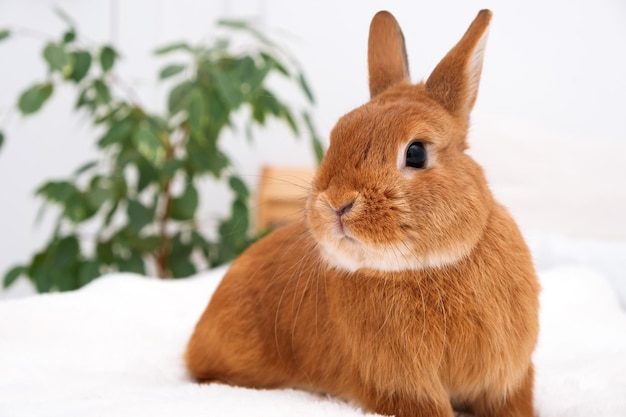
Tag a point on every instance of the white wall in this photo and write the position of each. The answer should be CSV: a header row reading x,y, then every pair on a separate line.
x,y
555,67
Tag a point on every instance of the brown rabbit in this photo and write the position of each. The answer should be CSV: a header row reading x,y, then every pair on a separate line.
x,y
406,287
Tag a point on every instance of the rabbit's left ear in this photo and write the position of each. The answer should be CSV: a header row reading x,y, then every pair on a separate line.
x,y
454,81
386,54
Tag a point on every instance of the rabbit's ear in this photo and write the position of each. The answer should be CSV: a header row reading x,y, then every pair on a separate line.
x,y
454,81
386,55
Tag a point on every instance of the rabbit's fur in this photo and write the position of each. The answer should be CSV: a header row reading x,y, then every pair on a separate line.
x,y
408,290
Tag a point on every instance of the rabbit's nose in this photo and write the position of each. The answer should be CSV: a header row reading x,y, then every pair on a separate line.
x,y
344,209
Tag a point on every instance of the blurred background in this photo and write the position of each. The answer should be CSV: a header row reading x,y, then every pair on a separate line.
x,y
549,125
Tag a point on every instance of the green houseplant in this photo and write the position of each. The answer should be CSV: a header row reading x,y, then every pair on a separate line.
x,y
141,193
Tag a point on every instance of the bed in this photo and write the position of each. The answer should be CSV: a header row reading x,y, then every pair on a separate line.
x,y
114,348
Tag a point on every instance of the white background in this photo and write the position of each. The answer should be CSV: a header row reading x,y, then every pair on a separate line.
x,y
555,67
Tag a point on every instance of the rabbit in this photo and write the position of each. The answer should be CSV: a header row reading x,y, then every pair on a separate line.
x,y
406,288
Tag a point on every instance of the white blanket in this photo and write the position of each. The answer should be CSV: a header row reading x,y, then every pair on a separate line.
x,y
114,349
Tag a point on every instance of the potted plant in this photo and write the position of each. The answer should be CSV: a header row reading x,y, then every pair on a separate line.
x,y
141,193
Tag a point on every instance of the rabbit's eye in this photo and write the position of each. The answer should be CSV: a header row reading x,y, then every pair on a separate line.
x,y
416,155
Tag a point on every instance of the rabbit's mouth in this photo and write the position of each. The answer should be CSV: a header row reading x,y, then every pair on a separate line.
x,y
350,238
342,231
346,252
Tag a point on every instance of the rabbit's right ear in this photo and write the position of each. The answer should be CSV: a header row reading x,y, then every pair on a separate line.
x,y
454,81
386,55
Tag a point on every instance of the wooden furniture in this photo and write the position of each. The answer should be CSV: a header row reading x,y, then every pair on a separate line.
x,y
281,196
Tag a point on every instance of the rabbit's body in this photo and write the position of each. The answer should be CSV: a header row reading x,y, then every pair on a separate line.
x,y
407,288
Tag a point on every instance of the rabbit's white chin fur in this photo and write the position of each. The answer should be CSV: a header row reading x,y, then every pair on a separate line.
x,y
350,255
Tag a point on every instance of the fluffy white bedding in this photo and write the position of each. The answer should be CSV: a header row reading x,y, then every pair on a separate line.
x,y
114,349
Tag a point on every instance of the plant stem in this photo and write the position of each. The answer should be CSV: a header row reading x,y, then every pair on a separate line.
x,y
162,259
163,254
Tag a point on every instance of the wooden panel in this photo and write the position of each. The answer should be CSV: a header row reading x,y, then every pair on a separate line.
x,y
281,196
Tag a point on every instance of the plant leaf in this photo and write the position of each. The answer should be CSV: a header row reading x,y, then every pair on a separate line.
x,y
245,26
133,263
119,186
103,95
34,97
65,280
179,46
216,111
249,76
64,16
75,205
201,243
66,252
147,174
119,132
227,81
216,161
110,116
305,88
148,143
275,63
85,167
57,191
87,272
107,58
178,97
318,149
104,252
195,151
240,217
69,36
288,117
181,247
194,110
179,262
181,267
99,193
171,70
85,99
239,187
38,273
158,123
81,62
56,57
236,228
138,216
12,275
169,169
148,244
265,102
111,213
184,208
5,33
78,209
270,102
233,234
